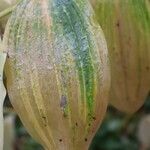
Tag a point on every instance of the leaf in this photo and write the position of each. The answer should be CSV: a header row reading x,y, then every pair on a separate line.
x,y
2,93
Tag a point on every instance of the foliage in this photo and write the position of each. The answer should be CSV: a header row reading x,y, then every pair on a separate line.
x,y
118,131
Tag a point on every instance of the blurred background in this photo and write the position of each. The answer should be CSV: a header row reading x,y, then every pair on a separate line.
x,y
118,131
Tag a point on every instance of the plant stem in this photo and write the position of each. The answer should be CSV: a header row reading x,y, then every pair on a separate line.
x,y
7,11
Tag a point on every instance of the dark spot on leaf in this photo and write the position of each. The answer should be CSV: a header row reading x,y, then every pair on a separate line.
x,y
94,118
85,139
60,140
76,124
65,115
43,117
147,68
118,24
128,98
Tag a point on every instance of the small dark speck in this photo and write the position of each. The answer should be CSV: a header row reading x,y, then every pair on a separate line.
x,y
85,139
118,24
147,68
89,124
76,124
128,98
65,115
94,118
60,140
44,118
